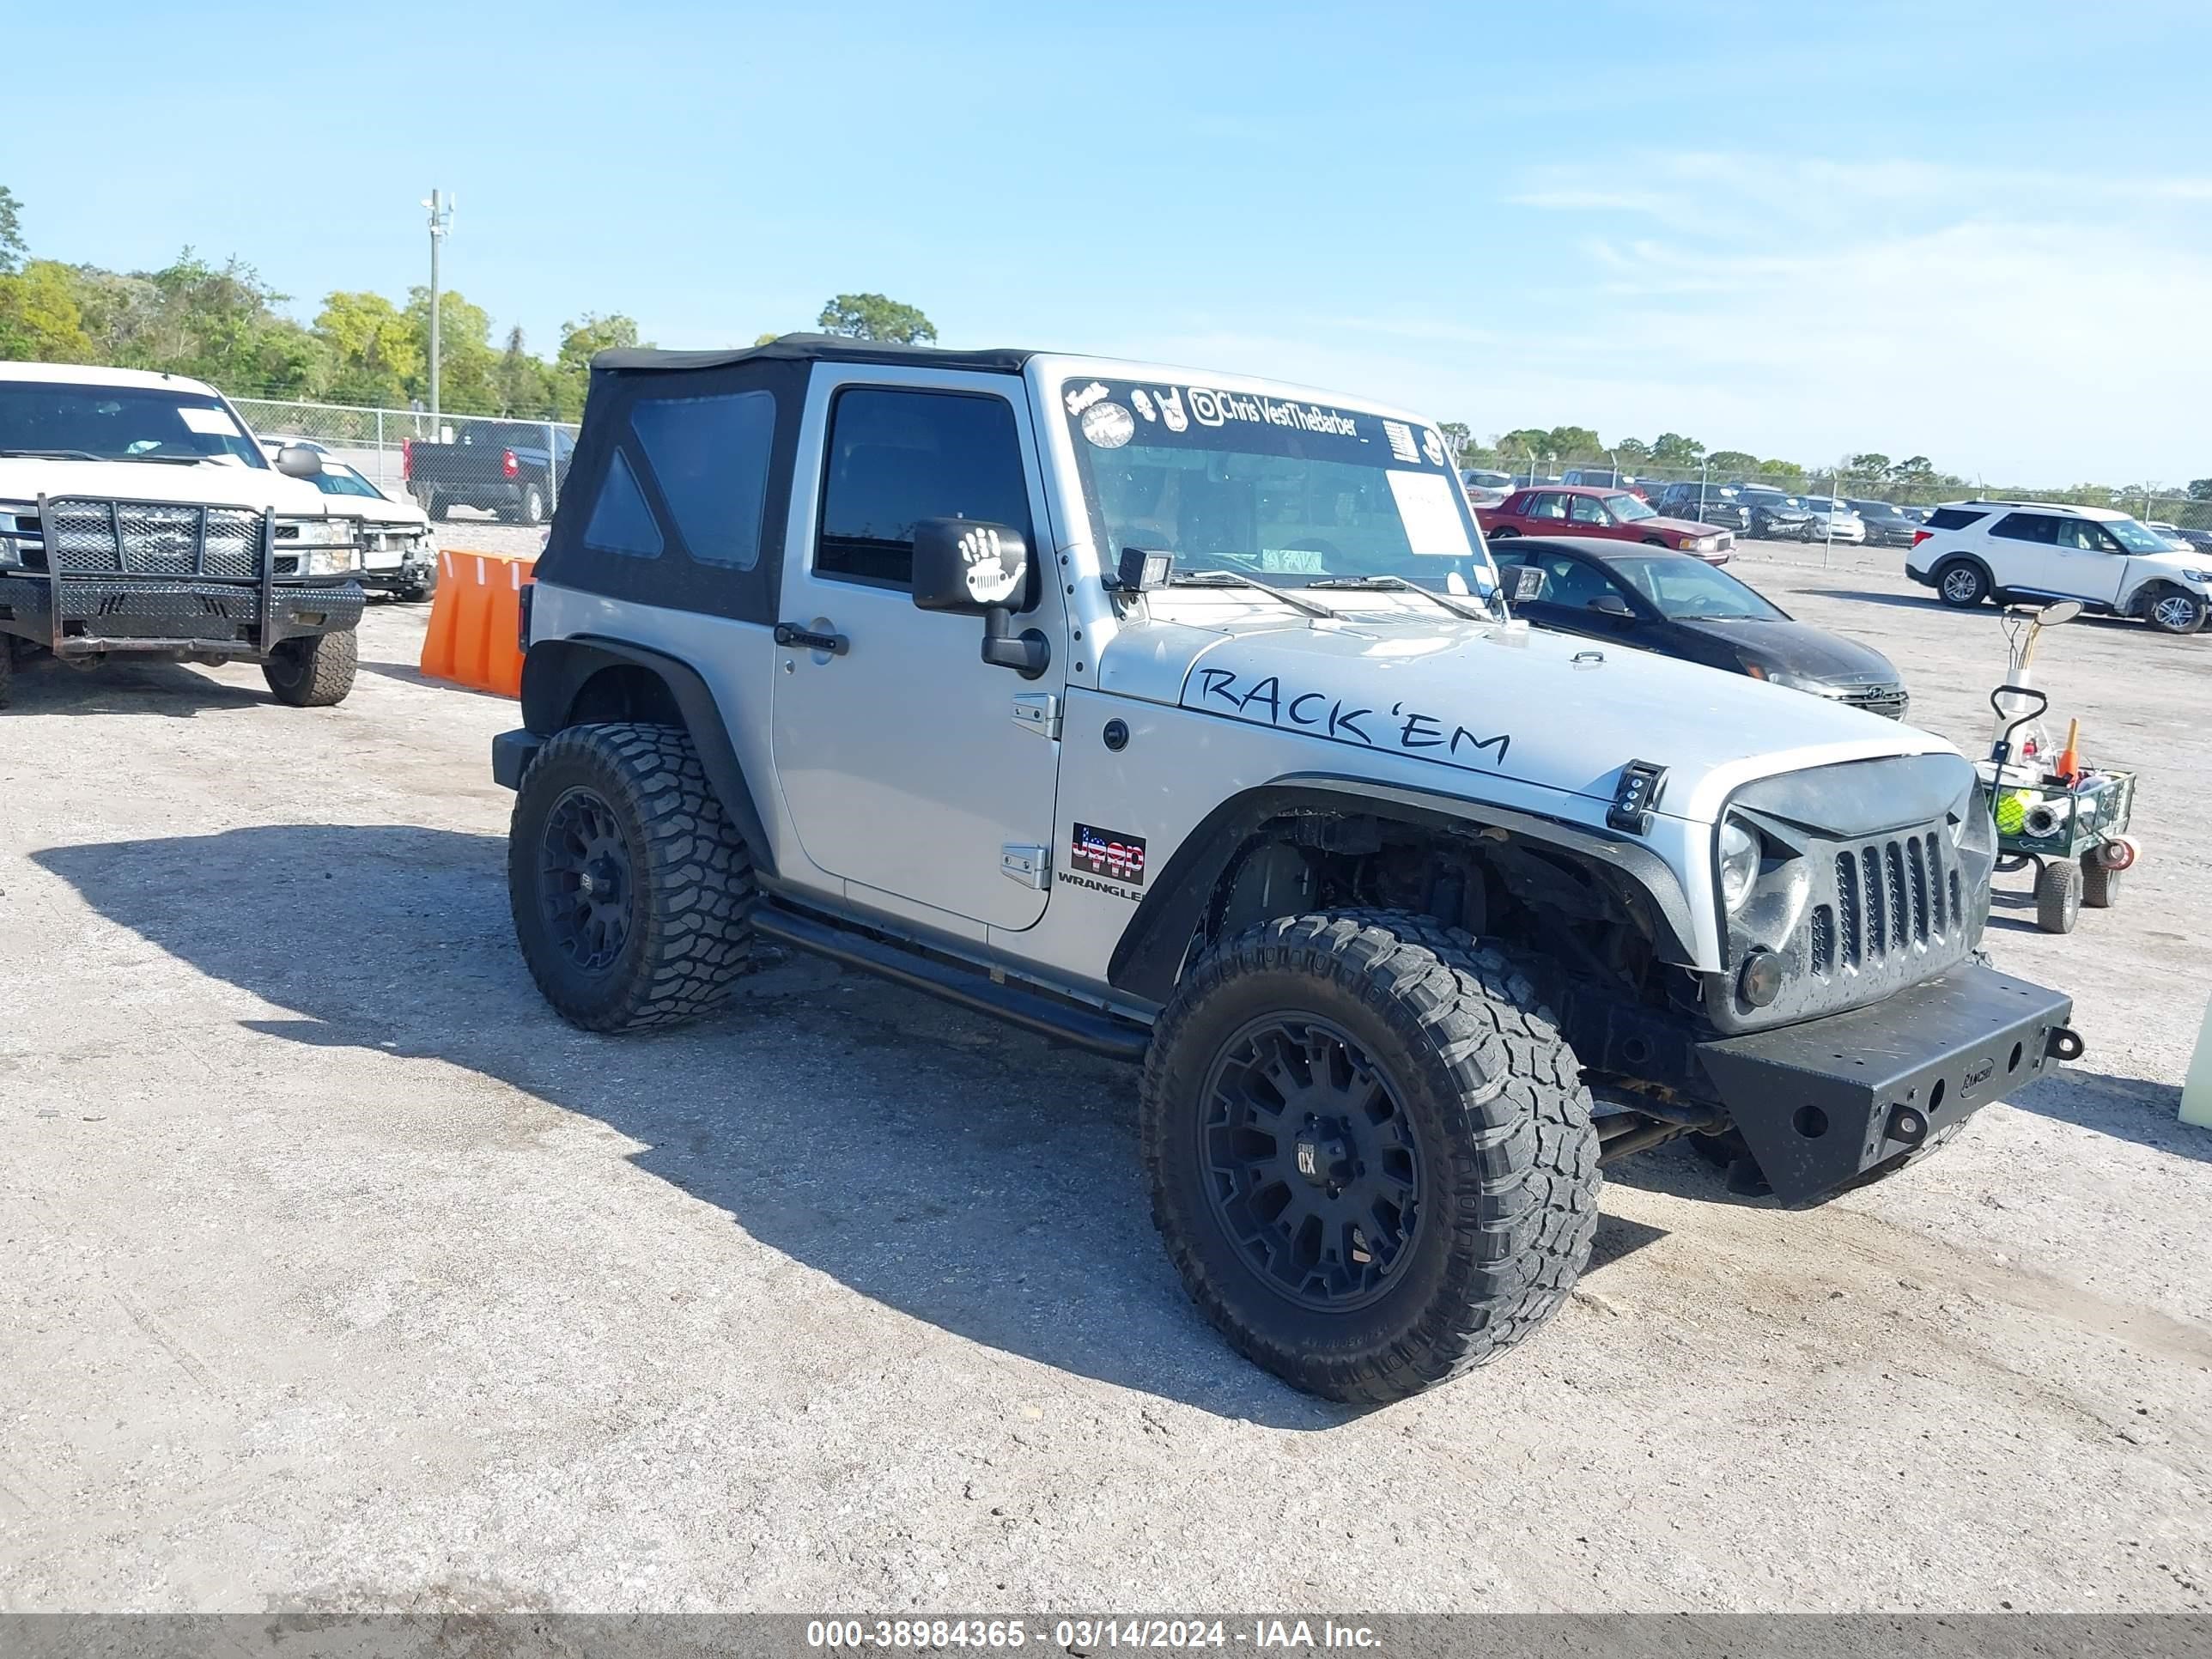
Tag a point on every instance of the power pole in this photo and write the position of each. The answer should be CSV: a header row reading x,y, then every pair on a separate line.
x,y
441,221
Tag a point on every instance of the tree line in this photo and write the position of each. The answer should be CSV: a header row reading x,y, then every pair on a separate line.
x,y
222,323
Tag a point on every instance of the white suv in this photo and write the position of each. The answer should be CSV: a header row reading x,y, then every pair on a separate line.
x,y
1975,550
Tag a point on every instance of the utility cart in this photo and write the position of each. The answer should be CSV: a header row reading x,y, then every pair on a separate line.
x,y
2070,823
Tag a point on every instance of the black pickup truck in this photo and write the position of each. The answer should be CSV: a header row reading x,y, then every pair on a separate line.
x,y
502,466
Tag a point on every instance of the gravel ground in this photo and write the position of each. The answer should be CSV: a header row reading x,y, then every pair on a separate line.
x,y
336,1271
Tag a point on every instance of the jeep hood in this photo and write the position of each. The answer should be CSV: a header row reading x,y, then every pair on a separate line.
x,y
211,483
1478,700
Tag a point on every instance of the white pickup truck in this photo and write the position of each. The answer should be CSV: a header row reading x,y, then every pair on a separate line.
x,y
139,516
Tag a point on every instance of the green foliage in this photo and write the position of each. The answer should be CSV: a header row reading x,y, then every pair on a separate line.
x,y
1732,460
40,319
1630,450
2200,489
1673,449
1457,439
375,357
12,251
873,317
467,365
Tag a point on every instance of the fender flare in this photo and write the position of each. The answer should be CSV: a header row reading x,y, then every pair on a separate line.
x,y
1148,958
555,671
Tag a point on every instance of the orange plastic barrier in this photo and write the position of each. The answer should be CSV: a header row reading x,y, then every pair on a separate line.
x,y
475,619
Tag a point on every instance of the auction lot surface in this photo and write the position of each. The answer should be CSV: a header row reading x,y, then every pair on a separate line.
x,y
336,1271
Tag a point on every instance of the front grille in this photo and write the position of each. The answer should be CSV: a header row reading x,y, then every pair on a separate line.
x,y
1890,701
1892,898
145,538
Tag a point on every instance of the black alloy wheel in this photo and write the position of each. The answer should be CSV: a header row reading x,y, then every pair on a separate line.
x,y
585,880
1310,1162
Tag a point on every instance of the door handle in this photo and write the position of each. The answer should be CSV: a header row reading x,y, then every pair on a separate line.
x,y
791,634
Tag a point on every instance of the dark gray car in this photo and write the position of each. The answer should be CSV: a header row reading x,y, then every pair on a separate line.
x,y
1679,607
1886,524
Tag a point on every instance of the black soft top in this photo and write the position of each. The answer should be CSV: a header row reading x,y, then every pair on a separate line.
x,y
809,348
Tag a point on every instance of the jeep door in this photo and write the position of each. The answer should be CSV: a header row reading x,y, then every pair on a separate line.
x,y
901,763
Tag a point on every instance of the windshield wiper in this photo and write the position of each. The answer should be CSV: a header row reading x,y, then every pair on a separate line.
x,y
52,454
1237,579
1473,612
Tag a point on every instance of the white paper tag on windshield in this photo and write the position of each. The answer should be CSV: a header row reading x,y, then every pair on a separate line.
x,y
1432,518
214,423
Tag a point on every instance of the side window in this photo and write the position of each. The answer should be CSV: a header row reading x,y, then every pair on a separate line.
x,y
1548,505
1951,518
709,456
2026,527
621,522
1586,509
1573,584
895,457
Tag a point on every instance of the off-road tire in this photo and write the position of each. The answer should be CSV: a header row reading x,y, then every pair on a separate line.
x,y
2100,887
2058,895
313,672
1961,583
691,879
413,595
2173,610
1508,1176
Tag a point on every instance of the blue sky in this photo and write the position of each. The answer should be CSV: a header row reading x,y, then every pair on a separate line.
x,y
1983,234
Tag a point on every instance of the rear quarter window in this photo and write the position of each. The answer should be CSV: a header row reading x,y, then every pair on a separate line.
x,y
1951,518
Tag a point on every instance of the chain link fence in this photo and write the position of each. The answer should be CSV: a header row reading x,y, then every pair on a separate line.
x,y
451,464
460,454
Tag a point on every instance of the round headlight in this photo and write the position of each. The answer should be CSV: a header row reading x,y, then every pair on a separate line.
x,y
1739,865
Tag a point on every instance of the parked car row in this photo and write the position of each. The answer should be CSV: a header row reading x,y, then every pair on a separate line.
x,y
1748,509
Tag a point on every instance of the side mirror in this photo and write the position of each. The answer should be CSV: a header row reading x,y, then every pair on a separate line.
x,y
298,461
1611,605
975,568
967,566
2064,611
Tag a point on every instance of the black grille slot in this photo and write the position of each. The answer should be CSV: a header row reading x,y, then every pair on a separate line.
x,y
1915,859
1877,913
1824,940
1958,909
1847,905
1941,923
1893,863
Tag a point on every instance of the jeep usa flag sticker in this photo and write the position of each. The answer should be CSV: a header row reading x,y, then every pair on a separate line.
x,y
1109,853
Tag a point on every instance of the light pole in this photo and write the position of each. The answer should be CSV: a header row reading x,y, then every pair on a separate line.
x,y
441,221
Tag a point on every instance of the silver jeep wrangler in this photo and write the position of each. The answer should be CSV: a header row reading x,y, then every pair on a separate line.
x,y
1181,717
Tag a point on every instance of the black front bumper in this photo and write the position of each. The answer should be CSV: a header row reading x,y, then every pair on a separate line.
x,y
1824,1102
113,614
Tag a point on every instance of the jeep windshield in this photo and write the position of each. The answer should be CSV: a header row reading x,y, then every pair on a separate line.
x,y
81,422
1288,491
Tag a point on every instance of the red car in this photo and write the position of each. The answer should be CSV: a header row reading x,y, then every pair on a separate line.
x,y
1592,510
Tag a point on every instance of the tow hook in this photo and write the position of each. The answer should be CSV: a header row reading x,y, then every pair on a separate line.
x,y
2064,1044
